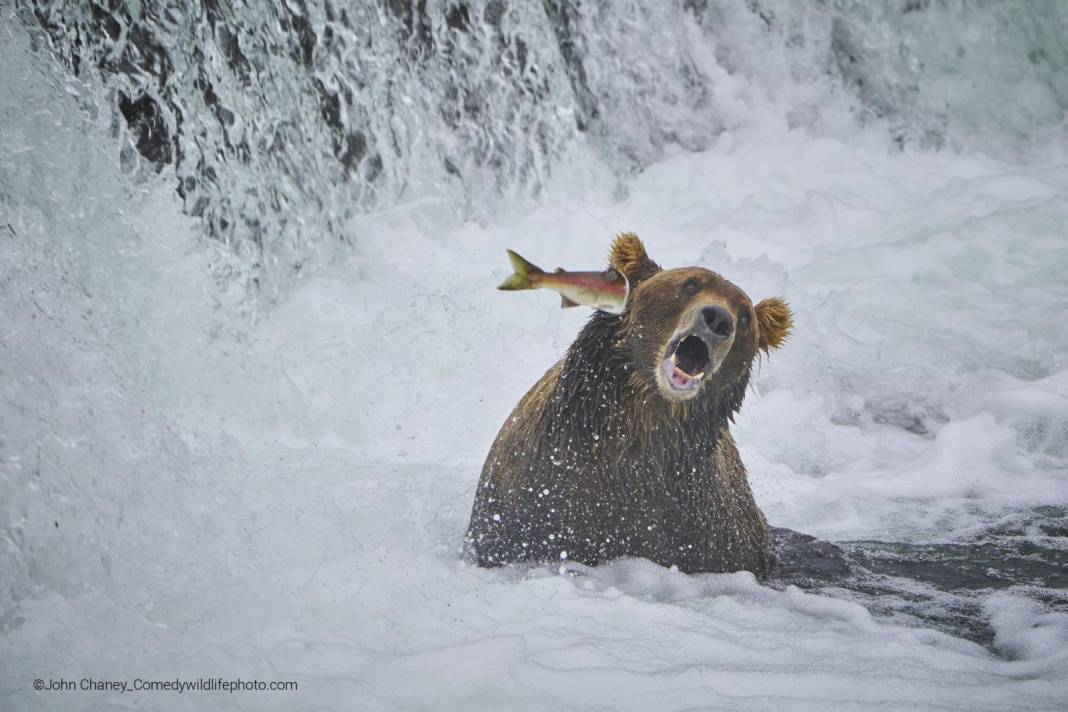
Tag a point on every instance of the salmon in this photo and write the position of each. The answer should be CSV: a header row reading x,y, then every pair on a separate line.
x,y
606,291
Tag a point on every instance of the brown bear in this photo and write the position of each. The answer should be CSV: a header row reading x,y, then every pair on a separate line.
x,y
623,448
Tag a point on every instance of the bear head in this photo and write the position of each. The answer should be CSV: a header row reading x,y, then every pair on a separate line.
x,y
689,333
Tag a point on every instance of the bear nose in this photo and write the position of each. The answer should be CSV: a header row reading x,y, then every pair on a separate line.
x,y
719,322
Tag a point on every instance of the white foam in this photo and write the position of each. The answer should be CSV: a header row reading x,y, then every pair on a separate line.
x,y
289,504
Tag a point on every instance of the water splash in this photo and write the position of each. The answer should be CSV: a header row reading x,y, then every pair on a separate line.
x,y
282,120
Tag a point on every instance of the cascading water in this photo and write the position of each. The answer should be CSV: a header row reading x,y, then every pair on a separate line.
x,y
282,120
251,358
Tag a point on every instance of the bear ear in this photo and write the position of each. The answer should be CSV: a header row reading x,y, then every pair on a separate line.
x,y
774,322
629,257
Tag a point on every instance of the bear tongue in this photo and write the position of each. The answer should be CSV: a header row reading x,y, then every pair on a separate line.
x,y
680,378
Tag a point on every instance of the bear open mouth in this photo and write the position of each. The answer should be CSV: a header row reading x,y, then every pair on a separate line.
x,y
688,363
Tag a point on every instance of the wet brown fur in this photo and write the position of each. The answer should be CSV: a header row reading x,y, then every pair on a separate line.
x,y
595,463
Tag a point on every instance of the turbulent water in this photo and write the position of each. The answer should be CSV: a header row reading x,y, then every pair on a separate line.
x,y
251,356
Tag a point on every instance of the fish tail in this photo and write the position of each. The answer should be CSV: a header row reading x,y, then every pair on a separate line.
x,y
523,272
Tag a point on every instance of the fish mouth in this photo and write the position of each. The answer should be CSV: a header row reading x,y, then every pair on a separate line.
x,y
688,362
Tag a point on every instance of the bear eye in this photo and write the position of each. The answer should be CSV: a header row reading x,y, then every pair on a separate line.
x,y
743,320
691,286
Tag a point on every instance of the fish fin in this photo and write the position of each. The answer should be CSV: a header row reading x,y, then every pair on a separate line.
x,y
566,303
523,271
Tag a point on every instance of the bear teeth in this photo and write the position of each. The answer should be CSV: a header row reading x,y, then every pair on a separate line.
x,y
683,379
682,370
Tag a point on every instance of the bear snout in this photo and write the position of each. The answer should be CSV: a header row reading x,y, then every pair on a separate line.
x,y
719,322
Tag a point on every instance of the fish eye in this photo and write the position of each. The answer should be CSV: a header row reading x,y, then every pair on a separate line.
x,y
691,286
